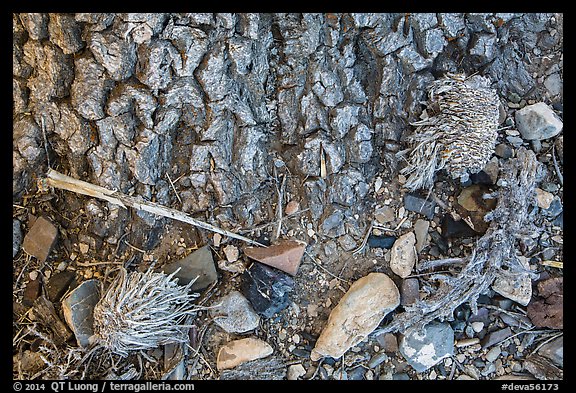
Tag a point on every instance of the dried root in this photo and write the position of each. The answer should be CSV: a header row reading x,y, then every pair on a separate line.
x,y
142,311
460,137
495,249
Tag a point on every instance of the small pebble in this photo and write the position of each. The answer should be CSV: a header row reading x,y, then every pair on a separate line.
x,y
33,275
477,326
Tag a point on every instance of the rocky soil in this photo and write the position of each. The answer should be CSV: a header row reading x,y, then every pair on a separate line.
x,y
280,127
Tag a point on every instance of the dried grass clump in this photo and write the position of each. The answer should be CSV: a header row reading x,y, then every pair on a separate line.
x,y
142,311
459,136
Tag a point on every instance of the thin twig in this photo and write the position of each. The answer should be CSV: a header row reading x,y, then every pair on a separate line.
x,y
134,247
323,268
558,173
87,264
546,342
58,180
173,188
279,207
364,240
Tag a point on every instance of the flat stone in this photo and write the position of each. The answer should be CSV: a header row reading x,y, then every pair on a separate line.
x,y
493,354
231,253
285,255
240,351
291,207
403,255
295,371
416,203
421,232
504,151
388,342
496,337
234,313
266,288
197,264
40,239
358,313
543,198
427,348
384,214
59,284
409,291
16,237
78,310
538,122
554,351
378,359
516,287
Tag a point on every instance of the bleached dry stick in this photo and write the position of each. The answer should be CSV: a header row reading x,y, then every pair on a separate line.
x,y
58,180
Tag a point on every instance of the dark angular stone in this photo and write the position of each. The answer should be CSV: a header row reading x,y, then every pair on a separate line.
x,y
199,263
59,284
266,288
495,337
31,293
381,241
454,229
416,203
409,291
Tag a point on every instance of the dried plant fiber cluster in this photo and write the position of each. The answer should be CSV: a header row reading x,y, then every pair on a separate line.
x,y
142,311
460,133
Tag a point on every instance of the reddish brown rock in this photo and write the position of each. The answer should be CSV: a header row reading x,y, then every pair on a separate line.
x,y
548,312
241,351
40,239
285,255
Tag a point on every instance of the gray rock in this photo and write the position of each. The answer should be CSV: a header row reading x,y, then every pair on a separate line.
x,y
78,310
421,233
118,56
554,351
495,337
515,141
16,237
425,349
502,150
333,224
538,122
234,313
197,264
65,32
90,88
419,204
554,84
378,359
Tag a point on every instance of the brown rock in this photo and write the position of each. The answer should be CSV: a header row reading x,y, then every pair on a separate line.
x,y
31,293
409,291
40,239
240,351
388,342
472,206
358,313
291,207
549,311
285,255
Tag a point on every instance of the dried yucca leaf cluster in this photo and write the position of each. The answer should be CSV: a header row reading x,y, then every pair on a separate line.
x,y
460,134
142,311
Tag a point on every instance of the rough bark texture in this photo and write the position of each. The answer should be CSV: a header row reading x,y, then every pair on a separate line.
x,y
218,100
